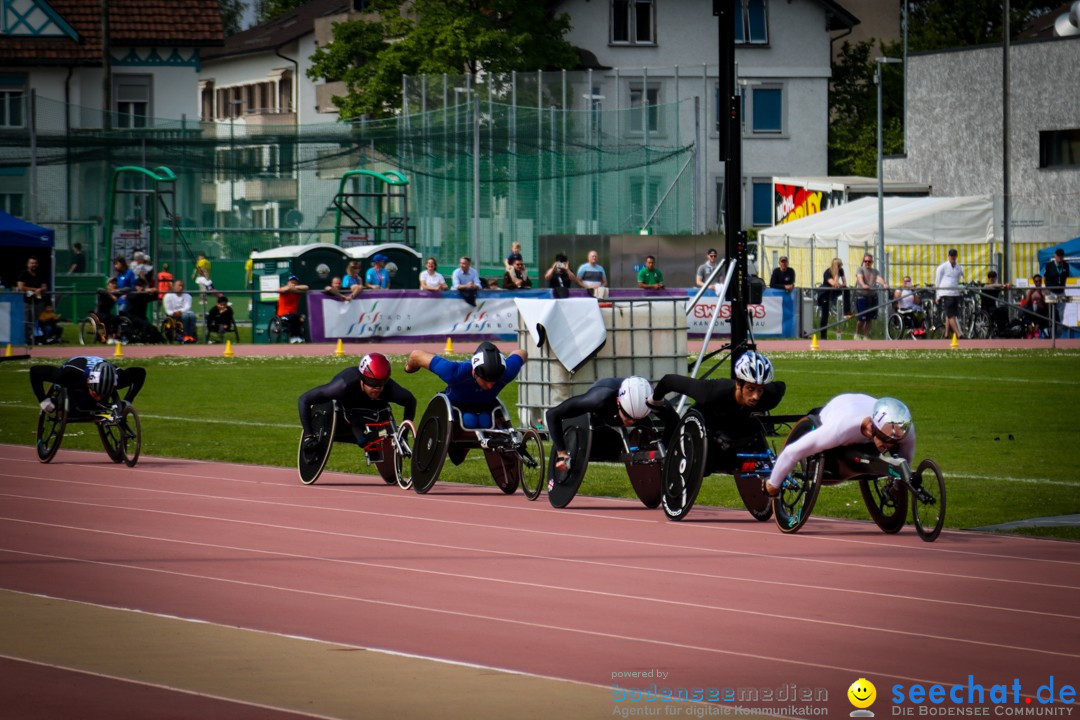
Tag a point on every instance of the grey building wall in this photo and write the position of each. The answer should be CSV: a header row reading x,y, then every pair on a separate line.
x,y
954,122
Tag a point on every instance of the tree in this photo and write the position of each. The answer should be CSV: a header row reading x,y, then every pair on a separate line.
x,y
412,37
232,13
270,9
853,110
943,24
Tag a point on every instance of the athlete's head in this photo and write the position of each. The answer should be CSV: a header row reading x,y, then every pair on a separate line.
x,y
374,372
101,382
633,399
752,372
488,365
890,422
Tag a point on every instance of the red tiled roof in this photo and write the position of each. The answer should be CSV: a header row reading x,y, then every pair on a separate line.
x,y
132,23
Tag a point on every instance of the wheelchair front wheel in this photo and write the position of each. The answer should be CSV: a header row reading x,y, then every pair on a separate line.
x,y
531,453
310,461
50,429
792,507
112,439
928,500
684,466
404,441
887,502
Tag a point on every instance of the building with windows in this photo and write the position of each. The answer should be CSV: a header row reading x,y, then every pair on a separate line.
x,y
651,53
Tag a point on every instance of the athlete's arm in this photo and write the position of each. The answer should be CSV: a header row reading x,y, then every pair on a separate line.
x,y
592,401
398,395
336,388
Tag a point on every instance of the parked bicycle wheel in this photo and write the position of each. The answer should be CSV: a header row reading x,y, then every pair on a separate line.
x,y
928,500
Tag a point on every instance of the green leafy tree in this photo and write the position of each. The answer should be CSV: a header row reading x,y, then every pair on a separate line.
x,y
270,9
943,24
853,112
412,37
232,13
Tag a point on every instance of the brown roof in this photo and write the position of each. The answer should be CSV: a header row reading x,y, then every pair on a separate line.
x,y
283,29
139,23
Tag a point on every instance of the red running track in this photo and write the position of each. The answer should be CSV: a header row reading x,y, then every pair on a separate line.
x,y
604,587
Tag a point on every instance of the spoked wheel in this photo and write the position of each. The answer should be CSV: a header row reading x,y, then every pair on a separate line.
x,y
406,438
928,500
50,429
894,328
311,460
274,330
792,507
886,499
112,438
981,328
130,435
91,332
684,466
533,467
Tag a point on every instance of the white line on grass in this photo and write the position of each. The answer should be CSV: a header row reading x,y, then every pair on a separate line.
x,y
929,376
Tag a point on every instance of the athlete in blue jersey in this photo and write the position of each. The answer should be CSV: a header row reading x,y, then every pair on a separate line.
x,y
472,385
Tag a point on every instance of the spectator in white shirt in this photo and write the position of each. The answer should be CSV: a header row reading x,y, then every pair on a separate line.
x,y
430,278
947,281
177,304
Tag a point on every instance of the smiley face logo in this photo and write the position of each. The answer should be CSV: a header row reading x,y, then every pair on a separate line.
x,y
862,693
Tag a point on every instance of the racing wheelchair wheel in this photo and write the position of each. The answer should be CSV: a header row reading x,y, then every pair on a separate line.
x,y
311,461
928,500
122,436
405,440
530,451
684,466
50,426
562,486
792,507
886,500
432,443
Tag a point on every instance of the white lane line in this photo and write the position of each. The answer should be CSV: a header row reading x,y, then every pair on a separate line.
x,y
508,621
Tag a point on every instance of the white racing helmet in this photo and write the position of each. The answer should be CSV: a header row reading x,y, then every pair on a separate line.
x,y
753,367
891,418
634,394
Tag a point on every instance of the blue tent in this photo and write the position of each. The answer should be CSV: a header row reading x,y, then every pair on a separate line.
x,y
15,232
1072,256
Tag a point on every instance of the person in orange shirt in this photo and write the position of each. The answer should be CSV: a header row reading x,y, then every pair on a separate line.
x,y
288,307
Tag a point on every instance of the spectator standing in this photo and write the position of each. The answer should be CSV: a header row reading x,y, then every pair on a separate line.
x,y
591,274
164,281
868,280
559,277
517,278
78,259
288,307
1057,274
125,281
833,285
1035,301
202,274
352,280
430,278
141,267
31,282
783,277
947,280
650,277
177,304
466,280
249,268
706,268
989,301
377,278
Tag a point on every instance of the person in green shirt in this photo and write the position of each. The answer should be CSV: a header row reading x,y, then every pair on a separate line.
x,y
650,277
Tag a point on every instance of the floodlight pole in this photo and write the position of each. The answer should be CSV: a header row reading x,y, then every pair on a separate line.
x,y
880,172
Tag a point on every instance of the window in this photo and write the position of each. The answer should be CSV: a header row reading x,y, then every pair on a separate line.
x,y
644,199
721,204
1059,148
767,104
649,99
633,22
763,202
12,101
12,203
751,22
131,100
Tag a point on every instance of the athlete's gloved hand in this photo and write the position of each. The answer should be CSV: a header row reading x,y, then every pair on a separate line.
x,y
653,403
309,442
47,405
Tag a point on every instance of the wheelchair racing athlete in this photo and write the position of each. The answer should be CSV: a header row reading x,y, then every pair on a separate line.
x,y
850,419
89,380
728,404
364,393
610,402
472,385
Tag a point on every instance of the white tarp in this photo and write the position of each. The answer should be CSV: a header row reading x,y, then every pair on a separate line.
x,y
908,221
573,328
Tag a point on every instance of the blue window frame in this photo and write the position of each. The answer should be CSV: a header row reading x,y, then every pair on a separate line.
x,y
768,110
763,202
752,22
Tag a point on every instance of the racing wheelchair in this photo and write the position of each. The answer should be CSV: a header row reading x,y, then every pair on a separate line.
x,y
117,424
514,457
390,449
639,448
885,482
697,451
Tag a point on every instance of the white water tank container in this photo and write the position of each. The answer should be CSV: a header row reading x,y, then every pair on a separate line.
x,y
644,337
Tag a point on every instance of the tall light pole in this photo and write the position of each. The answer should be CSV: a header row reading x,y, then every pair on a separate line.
x,y
880,173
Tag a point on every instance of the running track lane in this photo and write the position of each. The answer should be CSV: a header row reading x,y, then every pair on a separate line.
x,y
468,575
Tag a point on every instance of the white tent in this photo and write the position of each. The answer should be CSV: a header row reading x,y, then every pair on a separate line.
x,y
908,221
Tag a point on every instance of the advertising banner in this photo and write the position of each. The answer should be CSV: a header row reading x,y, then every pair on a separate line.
x,y
774,317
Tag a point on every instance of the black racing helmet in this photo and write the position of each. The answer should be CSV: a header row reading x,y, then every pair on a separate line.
x,y
488,363
102,379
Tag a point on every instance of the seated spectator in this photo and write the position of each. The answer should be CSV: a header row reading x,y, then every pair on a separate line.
x,y
105,306
220,319
466,280
650,277
137,311
177,305
431,279
517,278
706,268
335,290
288,308
591,274
352,281
515,254
559,276
377,278
49,326
1035,301
783,277
908,301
